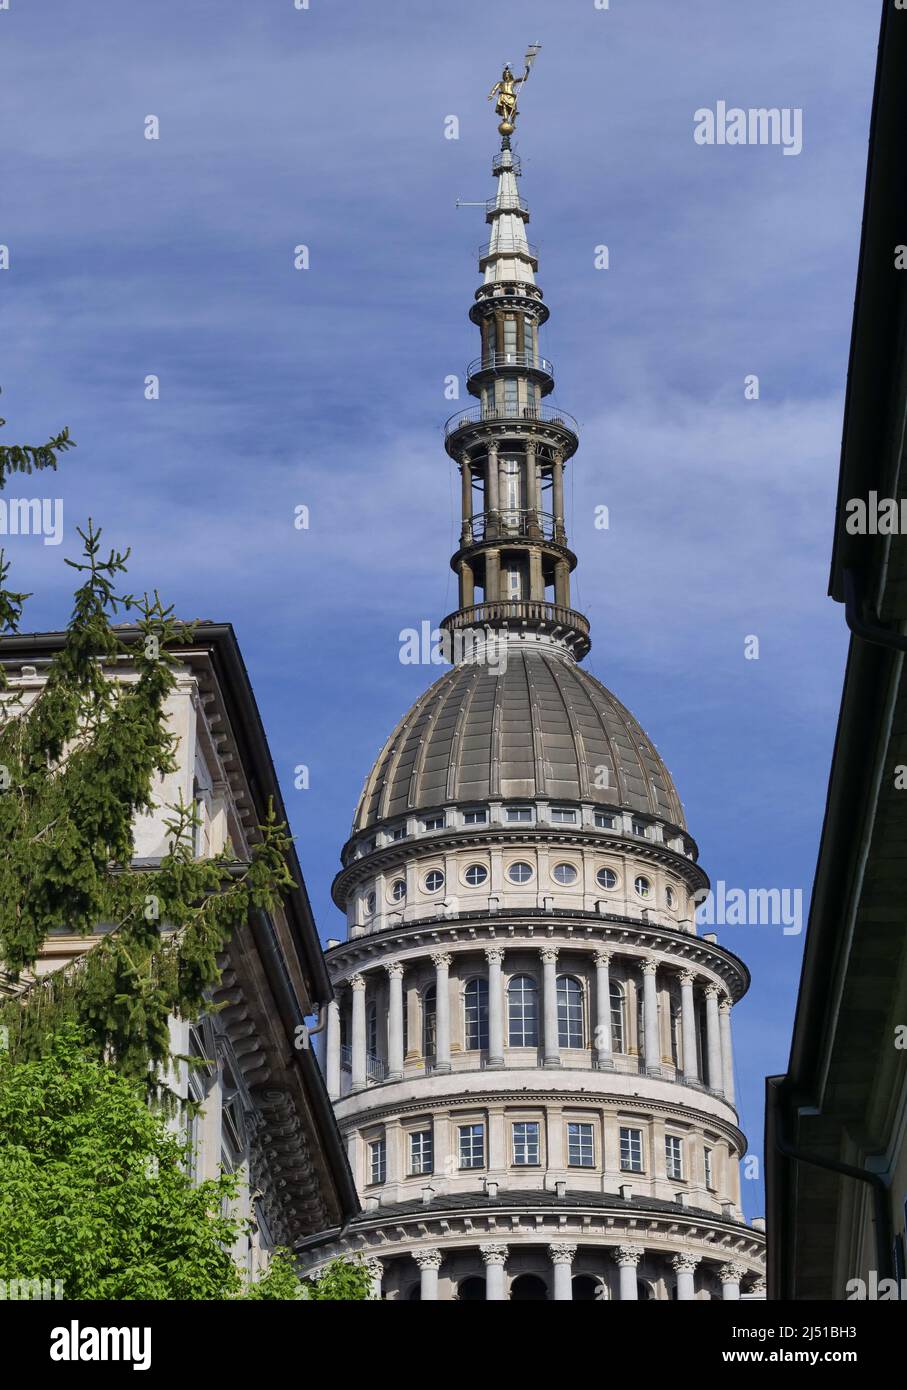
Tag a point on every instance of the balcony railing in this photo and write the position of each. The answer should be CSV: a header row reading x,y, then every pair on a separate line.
x,y
491,361
476,414
507,247
499,163
503,612
508,522
509,203
374,1067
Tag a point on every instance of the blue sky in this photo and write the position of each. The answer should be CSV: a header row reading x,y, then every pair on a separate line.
x,y
325,387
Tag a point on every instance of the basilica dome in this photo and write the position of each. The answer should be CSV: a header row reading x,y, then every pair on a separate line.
x,y
540,728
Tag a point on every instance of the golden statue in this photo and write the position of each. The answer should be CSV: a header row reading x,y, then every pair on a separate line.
x,y
506,92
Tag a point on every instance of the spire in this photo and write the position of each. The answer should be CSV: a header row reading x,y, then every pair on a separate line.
x,y
513,563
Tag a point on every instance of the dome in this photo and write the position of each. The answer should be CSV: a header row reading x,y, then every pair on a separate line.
x,y
542,727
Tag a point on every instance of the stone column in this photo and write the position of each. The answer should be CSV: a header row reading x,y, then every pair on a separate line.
x,y
730,1276
492,482
603,1009
551,1050
627,1257
562,583
495,1257
713,1038
495,957
532,485
441,961
536,577
395,1021
332,1060
651,1045
492,575
467,585
688,1026
684,1267
727,1055
466,497
557,499
359,1078
562,1259
429,1262
375,1268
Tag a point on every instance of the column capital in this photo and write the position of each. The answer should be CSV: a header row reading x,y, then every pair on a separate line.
x,y
494,954
441,960
394,969
724,1004
493,1254
548,953
688,1262
687,977
357,982
603,957
711,991
758,1286
561,1253
625,1255
648,966
375,1267
428,1259
731,1273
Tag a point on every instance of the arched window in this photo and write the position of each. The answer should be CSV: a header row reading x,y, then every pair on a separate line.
x,y
569,1012
618,1021
371,1030
429,1015
475,1006
523,1012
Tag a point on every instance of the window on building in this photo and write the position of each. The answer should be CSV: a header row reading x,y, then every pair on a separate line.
x,y
434,822
563,815
606,878
398,832
642,885
676,1026
398,891
518,814
371,1030
670,896
476,875
510,334
569,1012
519,872
475,817
421,1152
709,1169
526,1144
377,1161
674,1156
630,1150
522,1012
370,903
580,1145
564,874
471,1146
618,1017
434,881
511,397
513,575
429,1018
475,1003
639,827
603,821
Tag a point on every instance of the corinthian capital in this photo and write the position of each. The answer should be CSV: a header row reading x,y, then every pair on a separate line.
x,y
428,1259
493,1254
630,1254
441,960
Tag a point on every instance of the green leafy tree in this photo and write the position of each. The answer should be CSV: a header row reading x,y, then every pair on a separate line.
x,y
77,765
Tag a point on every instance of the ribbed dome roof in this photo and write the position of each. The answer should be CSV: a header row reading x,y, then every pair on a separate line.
x,y
540,728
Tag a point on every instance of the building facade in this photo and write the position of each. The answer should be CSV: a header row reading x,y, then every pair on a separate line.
x,y
263,1108
529,1051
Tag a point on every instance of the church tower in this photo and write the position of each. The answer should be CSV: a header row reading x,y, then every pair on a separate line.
x,y
530,1050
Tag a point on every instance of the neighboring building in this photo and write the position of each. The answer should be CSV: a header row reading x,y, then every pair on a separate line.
x,y
530,1050
266,1114
836,1123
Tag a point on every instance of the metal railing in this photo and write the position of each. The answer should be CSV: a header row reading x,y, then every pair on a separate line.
x,y
374,1067
476,414
511,202
506,247
493,360
524,522
517,610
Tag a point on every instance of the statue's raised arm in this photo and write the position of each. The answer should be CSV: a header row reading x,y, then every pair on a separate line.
x,y
506,92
